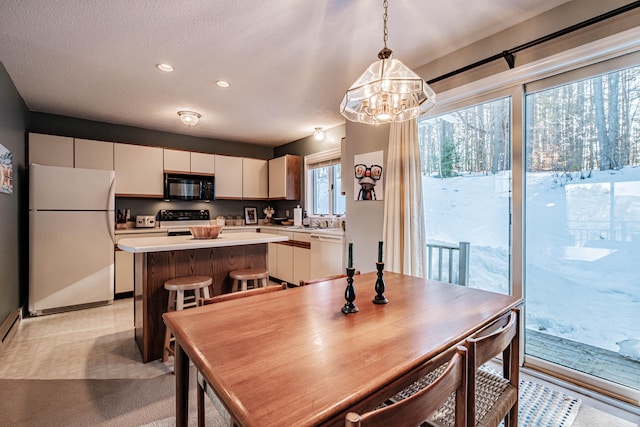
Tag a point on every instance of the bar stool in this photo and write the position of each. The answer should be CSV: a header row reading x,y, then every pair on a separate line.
x,y
177,286
260,276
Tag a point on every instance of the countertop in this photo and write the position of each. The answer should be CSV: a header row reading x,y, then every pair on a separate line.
x,y
175,243
236,228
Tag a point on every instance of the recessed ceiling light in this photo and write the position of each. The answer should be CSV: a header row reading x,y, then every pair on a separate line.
x,y
164,67
189,118
223,83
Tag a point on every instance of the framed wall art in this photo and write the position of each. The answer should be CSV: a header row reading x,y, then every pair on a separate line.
x,y
250,215
6,170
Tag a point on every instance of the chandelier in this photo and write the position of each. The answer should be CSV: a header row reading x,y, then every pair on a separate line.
x,y
387,91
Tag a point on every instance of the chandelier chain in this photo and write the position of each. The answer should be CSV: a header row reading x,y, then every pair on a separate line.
x,y
385,17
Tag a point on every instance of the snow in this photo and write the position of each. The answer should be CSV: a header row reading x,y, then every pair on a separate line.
x,y
582,248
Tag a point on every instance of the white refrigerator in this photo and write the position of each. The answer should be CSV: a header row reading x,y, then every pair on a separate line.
x,y
71,238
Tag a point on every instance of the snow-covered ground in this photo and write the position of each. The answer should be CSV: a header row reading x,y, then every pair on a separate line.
x,y
582,248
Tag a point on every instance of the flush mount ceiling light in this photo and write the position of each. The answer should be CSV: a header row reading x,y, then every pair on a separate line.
x,y
164,67
223,83
387,91
189,118
318,134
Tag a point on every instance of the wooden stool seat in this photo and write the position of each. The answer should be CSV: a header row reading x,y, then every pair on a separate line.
x,y
242,277
178,301
187,283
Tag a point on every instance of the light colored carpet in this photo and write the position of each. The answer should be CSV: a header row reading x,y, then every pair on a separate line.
x,y
84,368
95,343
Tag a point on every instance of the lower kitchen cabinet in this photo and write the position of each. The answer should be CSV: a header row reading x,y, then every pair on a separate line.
x,y
284,258
124,272
124,262
290,261
301,257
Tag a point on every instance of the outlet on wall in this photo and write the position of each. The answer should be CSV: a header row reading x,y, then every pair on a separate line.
x,y
286,213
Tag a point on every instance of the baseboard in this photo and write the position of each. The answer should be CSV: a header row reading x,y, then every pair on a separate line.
x,y
9,326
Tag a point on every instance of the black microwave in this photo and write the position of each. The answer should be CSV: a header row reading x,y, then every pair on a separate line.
x,y
188,187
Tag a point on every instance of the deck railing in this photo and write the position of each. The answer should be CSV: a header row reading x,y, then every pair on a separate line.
x,y
443,250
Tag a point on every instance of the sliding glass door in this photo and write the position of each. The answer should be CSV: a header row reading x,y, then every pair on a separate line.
x,y
466,167
582,145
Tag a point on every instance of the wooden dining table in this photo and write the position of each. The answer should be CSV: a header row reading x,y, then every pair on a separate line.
x,y
293,358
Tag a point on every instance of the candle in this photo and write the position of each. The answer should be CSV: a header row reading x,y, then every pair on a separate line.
x,y
380,251
350,264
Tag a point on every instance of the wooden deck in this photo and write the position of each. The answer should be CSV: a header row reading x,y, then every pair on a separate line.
x,y
595,361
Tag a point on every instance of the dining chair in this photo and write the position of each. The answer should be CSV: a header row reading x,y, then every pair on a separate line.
x,y
490,397
493,397
203,387
413,410
324,279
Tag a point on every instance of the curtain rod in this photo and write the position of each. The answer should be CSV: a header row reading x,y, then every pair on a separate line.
x,y
508,56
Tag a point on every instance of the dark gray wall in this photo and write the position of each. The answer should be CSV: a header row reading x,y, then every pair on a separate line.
x,y
303,147
79,128
14,117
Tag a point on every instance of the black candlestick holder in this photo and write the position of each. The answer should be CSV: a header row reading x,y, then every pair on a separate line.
x,y
380,298
350,293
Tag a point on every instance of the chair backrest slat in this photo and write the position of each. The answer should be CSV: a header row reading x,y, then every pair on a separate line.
x,y
417,408
241,294
324,279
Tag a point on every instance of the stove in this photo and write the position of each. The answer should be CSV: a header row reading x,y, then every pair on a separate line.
x,y
177,222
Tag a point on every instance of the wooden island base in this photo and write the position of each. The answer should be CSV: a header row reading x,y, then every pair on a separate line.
x,y
152,269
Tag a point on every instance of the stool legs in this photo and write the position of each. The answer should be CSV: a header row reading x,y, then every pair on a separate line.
x,y
171,306
176,302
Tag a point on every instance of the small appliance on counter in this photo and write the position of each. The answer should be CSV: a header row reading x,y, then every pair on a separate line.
x,y
145,221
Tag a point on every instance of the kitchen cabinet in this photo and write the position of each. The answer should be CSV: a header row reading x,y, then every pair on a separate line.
x,y
177,161
124,262
284,178
301,257
290,261
139,170
284,259
255,179
91,154
50,150
180,161
203,163
228,177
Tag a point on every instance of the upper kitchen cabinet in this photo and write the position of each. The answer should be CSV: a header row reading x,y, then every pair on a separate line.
x,y
93,154
139,170
284,177
255,179
50,150
177,161
228,177
188,162
203,163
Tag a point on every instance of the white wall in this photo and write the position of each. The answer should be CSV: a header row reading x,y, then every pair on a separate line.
x,y
364,218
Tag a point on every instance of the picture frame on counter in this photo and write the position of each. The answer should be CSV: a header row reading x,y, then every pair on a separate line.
x,y
250,215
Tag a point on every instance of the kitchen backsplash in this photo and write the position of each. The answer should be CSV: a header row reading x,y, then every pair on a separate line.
x,y
217,207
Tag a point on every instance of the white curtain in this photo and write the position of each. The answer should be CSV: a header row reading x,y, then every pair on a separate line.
x,y
403,228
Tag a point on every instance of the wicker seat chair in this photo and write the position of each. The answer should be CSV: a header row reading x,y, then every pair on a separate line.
x,y
413,410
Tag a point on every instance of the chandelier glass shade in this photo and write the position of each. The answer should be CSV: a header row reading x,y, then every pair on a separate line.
x,y
388,91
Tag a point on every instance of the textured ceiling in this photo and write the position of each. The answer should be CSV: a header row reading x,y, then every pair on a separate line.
x,y
288,61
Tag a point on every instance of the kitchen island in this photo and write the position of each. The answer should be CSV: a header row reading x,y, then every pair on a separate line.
x,y
157,259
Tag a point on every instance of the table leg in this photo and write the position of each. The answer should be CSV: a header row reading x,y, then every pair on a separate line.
x,y
181,370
